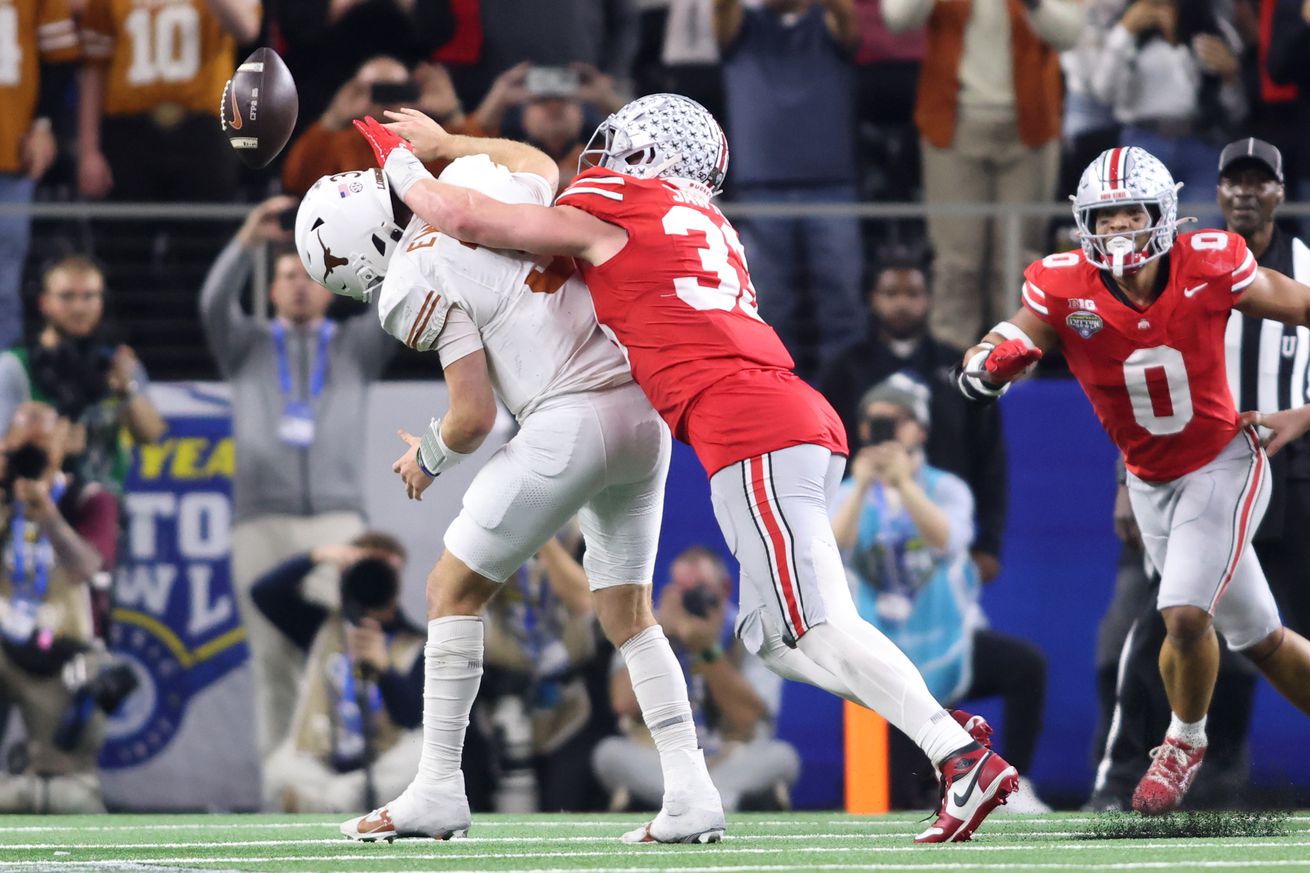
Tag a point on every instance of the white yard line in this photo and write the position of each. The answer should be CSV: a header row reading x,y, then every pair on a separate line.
x,y
1036,820
766,868
337,841
374,854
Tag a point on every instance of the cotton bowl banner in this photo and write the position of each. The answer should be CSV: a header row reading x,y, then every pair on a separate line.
x,y
185,738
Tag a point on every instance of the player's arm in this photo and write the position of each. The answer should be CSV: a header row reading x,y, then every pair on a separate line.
x,y
1275,296
541,230
1004,354
457,434
473,217
1282,427
472,412
432,142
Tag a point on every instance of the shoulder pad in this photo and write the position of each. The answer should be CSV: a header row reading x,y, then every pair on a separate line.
x,y
1216,254
1057,276
600,192
413,313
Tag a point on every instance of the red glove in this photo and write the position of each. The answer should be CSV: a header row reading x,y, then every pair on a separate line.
x,y
1008,359
383,141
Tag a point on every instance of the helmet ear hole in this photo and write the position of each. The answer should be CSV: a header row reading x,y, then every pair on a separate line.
x,y
379,244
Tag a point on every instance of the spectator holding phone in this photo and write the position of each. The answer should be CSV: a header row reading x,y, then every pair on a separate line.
x,y
299,385
331,145
553,108
904,529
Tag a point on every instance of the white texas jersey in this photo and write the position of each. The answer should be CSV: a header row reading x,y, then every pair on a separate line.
x,y
534,317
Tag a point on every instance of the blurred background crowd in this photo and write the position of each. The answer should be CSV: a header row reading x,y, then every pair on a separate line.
x,y
892,163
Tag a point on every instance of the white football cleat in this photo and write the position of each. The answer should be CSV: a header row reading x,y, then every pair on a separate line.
x,y
417,812
703,824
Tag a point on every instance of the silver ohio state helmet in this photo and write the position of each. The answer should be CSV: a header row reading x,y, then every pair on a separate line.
x,y
346,232
661,136
1118,177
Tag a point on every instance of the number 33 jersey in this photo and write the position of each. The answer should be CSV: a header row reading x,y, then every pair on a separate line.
x,y
678,299
1156,375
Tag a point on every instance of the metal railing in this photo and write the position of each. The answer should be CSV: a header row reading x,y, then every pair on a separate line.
x,y
1011,215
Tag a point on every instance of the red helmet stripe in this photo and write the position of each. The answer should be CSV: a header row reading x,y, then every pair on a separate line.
x,y
1115,158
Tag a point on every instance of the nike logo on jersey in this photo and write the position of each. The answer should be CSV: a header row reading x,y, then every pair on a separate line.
x,y
1192,292
973,782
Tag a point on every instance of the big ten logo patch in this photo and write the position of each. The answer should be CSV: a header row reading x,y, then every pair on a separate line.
x,y
175,619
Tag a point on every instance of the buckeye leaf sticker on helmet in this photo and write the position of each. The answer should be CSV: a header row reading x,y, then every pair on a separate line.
x,y
259,107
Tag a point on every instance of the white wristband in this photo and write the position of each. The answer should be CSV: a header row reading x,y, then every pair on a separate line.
x,y
434,456
977,383
1010,331
404,171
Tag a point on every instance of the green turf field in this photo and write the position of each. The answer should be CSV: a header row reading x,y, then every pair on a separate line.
x,y
545,844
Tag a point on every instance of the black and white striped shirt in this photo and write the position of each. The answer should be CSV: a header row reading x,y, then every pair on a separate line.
x,y
1268,360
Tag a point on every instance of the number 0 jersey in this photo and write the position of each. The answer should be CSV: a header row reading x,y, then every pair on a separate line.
x,y
534,321
1156,376
678,298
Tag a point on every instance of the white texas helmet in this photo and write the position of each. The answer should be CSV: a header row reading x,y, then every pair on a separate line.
x,y
1126,175
661,136
346,232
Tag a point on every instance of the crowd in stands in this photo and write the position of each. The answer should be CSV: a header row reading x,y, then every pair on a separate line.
x,y
831,102
825,101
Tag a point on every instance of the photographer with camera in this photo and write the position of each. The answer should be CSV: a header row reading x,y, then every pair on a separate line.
x,y
545,661
734,700
97,385
352,737
59,532
904,529
300,382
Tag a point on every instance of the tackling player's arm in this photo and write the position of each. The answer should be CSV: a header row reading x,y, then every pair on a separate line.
x,y
473,217
432,142
541,230
1275,296
1005,353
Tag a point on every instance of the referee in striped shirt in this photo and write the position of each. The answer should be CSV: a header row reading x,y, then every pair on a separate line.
x,y
1268,366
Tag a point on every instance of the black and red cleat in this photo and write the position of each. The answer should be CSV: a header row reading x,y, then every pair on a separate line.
x,y
974,781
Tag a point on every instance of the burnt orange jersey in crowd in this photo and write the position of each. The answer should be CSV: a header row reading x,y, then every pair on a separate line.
x,y
158,51
30,31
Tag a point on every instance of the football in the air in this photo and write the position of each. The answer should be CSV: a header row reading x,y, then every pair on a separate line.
x,y
259,107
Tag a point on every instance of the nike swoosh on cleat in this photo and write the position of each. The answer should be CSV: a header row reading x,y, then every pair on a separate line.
x,y
973,782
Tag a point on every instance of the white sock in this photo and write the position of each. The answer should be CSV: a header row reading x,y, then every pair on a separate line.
x,y
452,670
941,736
883,679
1192,733
661,691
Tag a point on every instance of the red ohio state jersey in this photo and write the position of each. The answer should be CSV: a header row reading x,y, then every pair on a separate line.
x,y
678,299
1156,376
